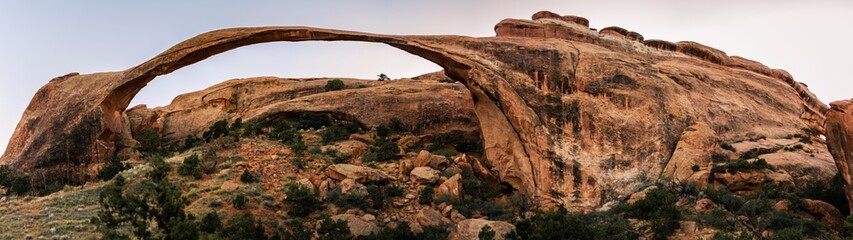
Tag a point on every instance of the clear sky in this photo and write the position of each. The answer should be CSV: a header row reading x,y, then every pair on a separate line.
x,y
44,39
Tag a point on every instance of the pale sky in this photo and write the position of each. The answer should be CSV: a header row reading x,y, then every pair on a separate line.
x,y
45,39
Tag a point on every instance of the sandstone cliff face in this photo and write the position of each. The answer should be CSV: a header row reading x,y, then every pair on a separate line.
x,y
426,106
568,115
839,136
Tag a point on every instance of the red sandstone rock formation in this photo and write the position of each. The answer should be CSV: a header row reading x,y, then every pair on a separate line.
x,y
568,116
839,137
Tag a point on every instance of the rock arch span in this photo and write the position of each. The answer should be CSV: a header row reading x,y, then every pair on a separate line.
x,y
568,115
72,116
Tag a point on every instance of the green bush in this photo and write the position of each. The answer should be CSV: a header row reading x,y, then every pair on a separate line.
x,y
298,162
190,167
334,85
402,231
695,168
777,221
561,224
346,201
112,167
386,151
425,195
297,230
486,233
15,182
211,223
716,218
831,192
150,142
247,177
217,130
379,195
239,201
333,229
335,133
300,200
725,198
243,227
659,208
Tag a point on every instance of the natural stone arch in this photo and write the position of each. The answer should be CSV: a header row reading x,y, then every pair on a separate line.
x,y
98,114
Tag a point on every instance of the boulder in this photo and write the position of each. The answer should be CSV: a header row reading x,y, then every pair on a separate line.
x,y
428,217
694,148
350,186
452,188
425,175
354,148
405,167
752,181
825,213
408,141
358,173
358,226
425,158
704,205
470,229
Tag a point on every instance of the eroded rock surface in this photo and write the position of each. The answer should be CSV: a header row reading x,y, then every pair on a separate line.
x,y
568,115
839,137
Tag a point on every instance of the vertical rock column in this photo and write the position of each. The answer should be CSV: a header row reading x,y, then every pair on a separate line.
x,y
839,137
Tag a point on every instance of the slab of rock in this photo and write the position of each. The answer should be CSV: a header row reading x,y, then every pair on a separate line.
x,y
425,175
470,229
695,147
350,186
751,181
428,217
425,158
452,188
354,148
357,225
358,173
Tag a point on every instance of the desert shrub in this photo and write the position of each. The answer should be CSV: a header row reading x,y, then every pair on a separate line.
x,y
383,151
346,201
210,223
394,126
741,165
297,230
561,224
239,201
755,207
112,167
243,227
831,192
383,77
777,221
787,234
379,195
190,142
486,233
298,162
659,208
247,177
425,195
848,226
15,182
716,218
402,231
300,200
333,229
150,142
217,130
725,198
334,85
727,146
190,167
334,133
153,200
312,120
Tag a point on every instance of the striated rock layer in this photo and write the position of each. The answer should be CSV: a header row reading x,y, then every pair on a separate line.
x,y
839,136
568,115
